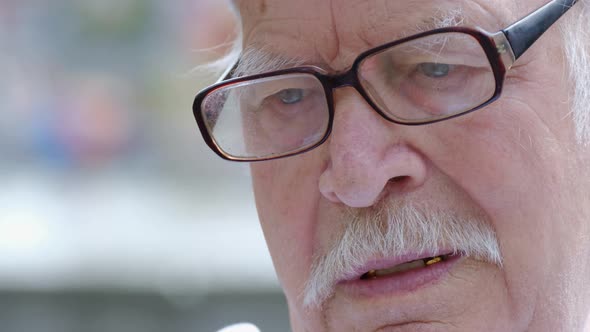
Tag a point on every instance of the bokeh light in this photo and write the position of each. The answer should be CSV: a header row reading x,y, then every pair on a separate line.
x,y
114,215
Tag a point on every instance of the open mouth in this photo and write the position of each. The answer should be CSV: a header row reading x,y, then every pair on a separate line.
x,y
404,267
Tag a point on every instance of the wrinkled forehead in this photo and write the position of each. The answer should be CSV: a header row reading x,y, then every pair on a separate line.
x,y
374,11
261,7
337,30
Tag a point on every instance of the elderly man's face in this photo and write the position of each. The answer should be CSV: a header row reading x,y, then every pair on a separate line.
x,y
507,179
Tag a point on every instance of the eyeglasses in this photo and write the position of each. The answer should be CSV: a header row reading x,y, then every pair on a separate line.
x,y
421,79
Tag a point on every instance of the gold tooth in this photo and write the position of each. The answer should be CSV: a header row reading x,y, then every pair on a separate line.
x,y
372,274
433,260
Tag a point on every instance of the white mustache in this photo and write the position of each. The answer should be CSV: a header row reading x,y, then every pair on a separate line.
x,y
390,230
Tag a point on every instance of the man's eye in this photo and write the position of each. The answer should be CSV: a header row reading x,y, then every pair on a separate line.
x,y
290,96
435,70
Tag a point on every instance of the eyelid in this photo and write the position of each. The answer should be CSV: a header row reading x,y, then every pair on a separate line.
x,y
470,60
265,93
259,98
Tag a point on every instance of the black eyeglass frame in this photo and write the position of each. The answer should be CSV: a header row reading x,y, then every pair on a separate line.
x,y
502,49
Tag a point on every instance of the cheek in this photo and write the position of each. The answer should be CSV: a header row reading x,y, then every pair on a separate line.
x,y
506,156
287,196
511,164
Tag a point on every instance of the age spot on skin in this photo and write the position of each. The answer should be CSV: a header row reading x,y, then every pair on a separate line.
x,y
262,7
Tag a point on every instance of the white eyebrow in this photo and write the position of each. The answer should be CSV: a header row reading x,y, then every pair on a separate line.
x,y
255,60
442,18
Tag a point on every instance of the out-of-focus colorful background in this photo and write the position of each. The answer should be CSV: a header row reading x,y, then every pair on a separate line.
x,y
114,215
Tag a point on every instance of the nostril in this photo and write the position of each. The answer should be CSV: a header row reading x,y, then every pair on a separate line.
x,y
400,183
399,179
395,184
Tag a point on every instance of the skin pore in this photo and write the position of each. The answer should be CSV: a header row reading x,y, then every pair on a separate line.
x,y
514,162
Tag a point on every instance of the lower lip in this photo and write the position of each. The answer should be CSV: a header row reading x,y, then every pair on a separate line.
x,y
401,283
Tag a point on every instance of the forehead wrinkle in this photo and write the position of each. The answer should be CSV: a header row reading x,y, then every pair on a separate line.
x,y
263,54
501,16
441,14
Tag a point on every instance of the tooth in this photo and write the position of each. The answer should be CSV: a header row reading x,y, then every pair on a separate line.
x,y
401,268
433,260
372,274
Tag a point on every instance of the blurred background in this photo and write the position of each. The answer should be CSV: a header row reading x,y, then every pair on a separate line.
x,y
114,215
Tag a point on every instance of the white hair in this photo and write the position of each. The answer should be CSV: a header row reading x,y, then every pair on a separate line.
x,y
576,36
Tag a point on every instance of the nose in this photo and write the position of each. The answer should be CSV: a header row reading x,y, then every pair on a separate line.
x,y
369,157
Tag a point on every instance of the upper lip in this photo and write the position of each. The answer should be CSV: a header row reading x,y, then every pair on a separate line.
x,y
388,262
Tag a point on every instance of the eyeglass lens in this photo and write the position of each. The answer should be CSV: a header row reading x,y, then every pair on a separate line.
x,y
429,78
269,116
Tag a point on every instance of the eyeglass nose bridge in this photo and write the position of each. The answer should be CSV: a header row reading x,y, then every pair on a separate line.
x,y
347,78
350,78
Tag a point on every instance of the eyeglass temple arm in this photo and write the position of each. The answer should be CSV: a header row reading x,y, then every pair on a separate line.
x,y
522,34
228,73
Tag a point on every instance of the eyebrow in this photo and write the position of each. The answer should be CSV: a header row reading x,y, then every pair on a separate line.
x,y
255,59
